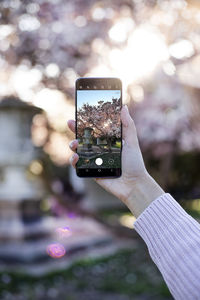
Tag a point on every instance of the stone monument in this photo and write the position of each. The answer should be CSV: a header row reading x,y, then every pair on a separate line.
x,y
27,237
87,139
20,193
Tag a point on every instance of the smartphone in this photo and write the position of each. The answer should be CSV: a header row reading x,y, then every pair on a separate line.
x,y
98,127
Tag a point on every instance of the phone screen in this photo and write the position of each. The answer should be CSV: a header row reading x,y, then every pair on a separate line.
x,y
98,127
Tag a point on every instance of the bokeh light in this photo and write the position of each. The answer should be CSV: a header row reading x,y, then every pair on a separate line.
x,y
63,232
119,32
36,167
127,220
182,49
56,250
71,215
28,23
52,70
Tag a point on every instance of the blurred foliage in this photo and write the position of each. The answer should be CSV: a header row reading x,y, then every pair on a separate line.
x,y
182,177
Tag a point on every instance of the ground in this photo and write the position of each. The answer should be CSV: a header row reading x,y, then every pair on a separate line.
x,y
126,275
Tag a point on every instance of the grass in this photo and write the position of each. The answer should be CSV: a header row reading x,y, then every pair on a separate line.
x,y
117,144
194,213
129,272
192,207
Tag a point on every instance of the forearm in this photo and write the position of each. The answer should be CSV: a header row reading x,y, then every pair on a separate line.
x,y
144,192
173,239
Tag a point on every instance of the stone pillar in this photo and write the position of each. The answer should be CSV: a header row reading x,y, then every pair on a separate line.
x,y
17,189
87,139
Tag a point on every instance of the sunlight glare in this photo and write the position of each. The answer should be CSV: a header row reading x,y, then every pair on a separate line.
x,y
120,30
52,101
99,71
24,79
137,93
145,49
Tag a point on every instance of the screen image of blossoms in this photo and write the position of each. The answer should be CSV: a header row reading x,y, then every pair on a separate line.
x,y
99,128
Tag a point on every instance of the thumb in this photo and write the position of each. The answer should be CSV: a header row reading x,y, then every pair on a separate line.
x,y
129,133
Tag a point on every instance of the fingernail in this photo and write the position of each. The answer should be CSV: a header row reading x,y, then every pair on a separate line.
x,y
72,158
74,155
71,144
126,107
124,118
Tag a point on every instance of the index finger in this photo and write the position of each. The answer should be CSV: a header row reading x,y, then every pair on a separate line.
x,y
71,124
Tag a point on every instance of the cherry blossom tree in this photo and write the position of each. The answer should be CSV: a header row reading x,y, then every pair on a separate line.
x,y
103,118
46,45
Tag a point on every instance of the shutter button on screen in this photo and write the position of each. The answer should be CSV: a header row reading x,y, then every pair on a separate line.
x,y
99,161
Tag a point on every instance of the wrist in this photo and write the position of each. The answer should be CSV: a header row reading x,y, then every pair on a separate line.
x,y
144,191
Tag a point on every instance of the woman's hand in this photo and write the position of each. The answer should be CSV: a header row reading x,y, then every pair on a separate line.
x,y
136,188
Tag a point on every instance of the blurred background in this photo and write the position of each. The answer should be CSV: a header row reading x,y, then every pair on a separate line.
x,y
61,236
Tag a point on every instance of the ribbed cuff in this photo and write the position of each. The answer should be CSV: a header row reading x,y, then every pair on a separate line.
x,y
173,240
164,208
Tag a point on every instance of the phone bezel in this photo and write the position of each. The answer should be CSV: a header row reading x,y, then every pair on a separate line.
x,y
88,172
